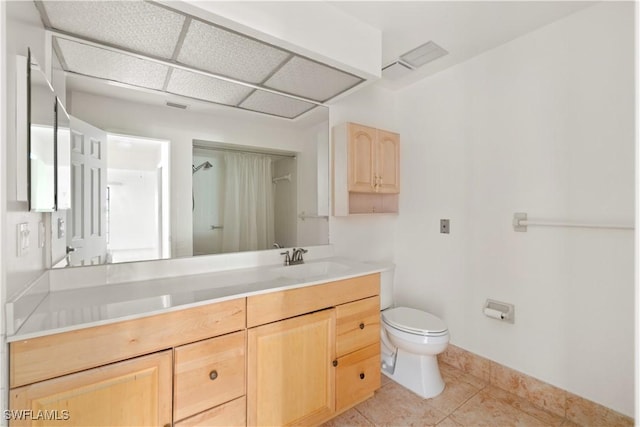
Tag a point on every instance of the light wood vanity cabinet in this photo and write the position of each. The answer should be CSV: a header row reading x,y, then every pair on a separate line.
x,y
312,352
366,167
298,356
125,373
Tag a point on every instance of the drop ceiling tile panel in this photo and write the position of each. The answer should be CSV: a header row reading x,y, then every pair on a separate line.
x,y
135,25
229,54
277,105
309,79
207,88
105,64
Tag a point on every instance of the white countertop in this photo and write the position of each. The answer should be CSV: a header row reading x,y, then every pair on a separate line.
x,y
71,309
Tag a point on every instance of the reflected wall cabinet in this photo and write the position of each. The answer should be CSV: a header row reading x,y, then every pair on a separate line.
x,y
366,168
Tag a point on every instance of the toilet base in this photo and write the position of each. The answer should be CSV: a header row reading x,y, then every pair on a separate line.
x,y
418,373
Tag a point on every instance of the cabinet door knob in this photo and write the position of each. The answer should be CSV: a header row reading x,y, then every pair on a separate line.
x,y
213,375
335,363
361,325
362,375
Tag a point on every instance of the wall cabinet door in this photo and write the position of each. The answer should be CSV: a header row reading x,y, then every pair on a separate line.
x,y
387,155
361,158
291,378
374,160
135,392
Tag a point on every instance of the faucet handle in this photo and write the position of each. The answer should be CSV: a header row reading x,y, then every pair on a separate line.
x,y
287,258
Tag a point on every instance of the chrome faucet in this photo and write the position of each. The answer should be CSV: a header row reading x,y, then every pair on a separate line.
x,y
296,258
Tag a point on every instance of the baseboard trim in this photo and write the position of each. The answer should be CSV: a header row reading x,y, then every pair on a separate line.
x,y
539,393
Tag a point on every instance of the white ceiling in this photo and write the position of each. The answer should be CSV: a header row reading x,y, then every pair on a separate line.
x,y
464,28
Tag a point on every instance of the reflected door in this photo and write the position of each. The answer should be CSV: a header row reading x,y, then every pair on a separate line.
x,y
87,218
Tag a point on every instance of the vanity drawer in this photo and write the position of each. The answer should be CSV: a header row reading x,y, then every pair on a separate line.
x,y
274,306
208,373
357,376
230,414
357,325
87,348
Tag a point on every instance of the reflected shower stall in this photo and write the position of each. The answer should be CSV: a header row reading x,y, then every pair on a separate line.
x,y
243,199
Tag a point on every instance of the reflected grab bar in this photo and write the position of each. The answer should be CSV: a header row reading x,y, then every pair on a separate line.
x,y
520,223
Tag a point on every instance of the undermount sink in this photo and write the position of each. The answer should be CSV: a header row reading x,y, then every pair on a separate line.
x,y
310,270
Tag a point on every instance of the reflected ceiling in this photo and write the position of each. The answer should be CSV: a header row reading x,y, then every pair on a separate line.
x,y
151,46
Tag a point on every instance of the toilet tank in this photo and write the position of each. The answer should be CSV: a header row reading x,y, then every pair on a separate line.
x,y
386,285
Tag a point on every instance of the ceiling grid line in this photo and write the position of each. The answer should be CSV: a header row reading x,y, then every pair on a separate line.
x,y
279,82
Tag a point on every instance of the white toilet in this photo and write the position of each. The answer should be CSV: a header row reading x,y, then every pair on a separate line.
x,y
411,340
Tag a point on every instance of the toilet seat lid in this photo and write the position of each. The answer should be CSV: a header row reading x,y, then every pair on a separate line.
x,y
412,320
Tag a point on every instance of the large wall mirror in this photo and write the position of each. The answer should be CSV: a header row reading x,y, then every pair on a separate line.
x,y
171,172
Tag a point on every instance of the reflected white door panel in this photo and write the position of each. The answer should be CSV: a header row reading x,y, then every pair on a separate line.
x,y
86,237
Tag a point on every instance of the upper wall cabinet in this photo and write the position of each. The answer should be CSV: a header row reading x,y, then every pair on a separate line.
x,y
366,166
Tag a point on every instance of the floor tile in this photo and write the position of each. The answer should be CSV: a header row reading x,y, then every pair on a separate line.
x,y
455,393
448,422
524,406
450,371
393,405
486,410
350,418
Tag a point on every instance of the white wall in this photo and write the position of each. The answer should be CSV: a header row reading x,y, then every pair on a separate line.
x,y
545,125
366,237
181,127
23,30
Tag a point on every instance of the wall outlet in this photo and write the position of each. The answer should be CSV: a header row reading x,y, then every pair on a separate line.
x,y
444,226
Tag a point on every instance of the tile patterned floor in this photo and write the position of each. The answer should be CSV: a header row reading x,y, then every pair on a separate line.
x,y
466,401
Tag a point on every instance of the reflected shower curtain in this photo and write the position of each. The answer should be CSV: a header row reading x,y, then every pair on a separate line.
x,y
248,203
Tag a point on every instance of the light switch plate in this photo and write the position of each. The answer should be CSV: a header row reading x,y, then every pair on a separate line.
x,y
22,237
444,226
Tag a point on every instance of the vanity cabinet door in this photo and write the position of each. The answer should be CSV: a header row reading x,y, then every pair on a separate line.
x,y
208,373
135,392
291,378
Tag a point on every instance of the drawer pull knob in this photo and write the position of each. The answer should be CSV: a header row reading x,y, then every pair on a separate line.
x,y
361,325
335,363
362,375
213,375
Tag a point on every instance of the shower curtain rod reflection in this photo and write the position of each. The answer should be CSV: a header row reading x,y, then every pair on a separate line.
x,y
240,150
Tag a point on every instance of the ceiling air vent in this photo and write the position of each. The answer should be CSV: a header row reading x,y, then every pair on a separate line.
x,y
413,59
423,54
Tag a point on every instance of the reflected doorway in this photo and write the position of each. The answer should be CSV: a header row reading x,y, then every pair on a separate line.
x,y
137,199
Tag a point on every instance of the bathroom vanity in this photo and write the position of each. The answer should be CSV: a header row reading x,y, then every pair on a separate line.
x,y
297,349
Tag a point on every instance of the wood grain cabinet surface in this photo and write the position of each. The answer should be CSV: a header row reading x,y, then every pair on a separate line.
x,y
314,352
366,170
208,373
134,392
298,356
